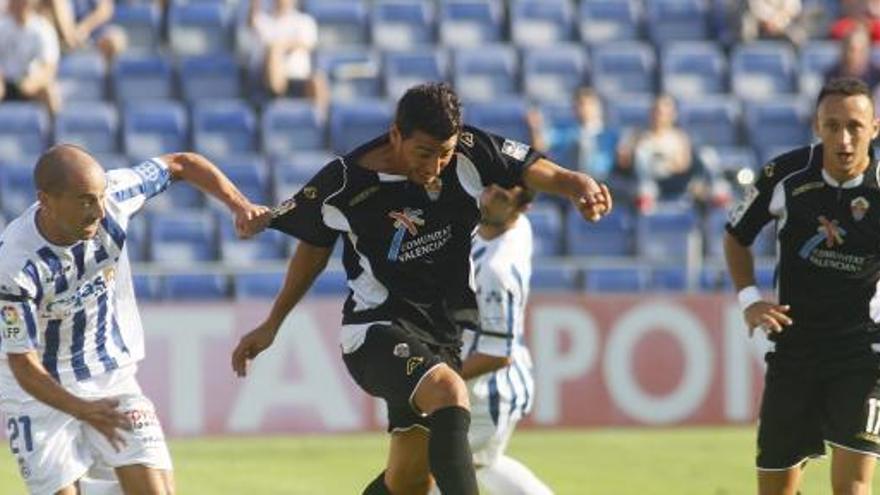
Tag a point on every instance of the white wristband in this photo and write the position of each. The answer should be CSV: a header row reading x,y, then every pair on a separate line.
x,y
748,296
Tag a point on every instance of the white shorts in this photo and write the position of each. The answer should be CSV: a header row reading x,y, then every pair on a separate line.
x,y
53,449
488,441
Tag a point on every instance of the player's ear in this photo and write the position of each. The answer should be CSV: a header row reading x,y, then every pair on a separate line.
x,y
394,136
876,127
42,197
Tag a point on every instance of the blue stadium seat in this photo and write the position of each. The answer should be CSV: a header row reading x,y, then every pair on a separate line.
x,y
713,232
147,287
330,283
93,125
201,286
341,23
293,172
762,70
690,68
634,111
504,117
710,120
353,123
615,279
487,73
783,122
112,161
136,238
265,247
470,23
714,278
213,76
353,73
624,67
180,237
258,285
402,24
540,22
24,129
668,278
224,127
608,20
141,77
547,228
677,20
816,58
553,74
141,24
554,278
16,186
404,69
729,158
289,125
153,128
613,236
199,28
664,234
249,173
82,76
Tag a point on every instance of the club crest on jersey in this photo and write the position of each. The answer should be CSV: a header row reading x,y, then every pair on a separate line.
x,y
10,315
859,208
401,350
515,149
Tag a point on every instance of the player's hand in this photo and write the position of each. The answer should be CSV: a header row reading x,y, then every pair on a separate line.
x,y
251,345
251,219
769,317
593,200
104,416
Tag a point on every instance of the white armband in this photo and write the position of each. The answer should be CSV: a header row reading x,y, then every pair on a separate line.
x,y
748,296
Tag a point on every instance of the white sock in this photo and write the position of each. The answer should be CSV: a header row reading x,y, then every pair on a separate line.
x,y
508,476
91,486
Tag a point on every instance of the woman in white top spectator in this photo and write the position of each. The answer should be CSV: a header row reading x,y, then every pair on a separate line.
x,y
28,56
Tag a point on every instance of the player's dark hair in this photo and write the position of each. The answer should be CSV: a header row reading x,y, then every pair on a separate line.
x,y
525,196
844,86
432,108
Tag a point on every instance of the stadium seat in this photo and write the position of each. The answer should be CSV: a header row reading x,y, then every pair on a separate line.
x,y
293,172
714,278
546,220
353,123
141,77
553,74
267,246
615,279
633,112
140,21
504,117
713,232
199,28
224,127
676,20
258,285
816,58
289,126
781,123
554,278
136,238
16,186
201,286
691,68
762,70
624,67
147,287
93,125
710,120
668,278
82,76
24,129
353,73
249,173
613,236
153,128
112,161
729,158
608,20
330,283
213,76
540,22
181,237
470,23
487,73
340,23
404,69
666,233
402,24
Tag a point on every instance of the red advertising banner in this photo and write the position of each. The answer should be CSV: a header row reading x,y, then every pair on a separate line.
x,y
599,361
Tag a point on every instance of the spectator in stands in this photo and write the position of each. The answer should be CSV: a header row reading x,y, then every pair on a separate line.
x,y
587,144
28,56
773,19
285,38
855,13
83,23
855,58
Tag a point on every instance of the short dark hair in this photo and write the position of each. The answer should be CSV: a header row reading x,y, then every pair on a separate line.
x,y
433,108
525,196
845,86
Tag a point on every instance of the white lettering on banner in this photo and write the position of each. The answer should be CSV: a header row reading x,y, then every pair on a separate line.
x,y
319,386
551,323
698,358
739,353
184,331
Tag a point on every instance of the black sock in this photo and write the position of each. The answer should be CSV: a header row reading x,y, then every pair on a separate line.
x,y
449,453
377,486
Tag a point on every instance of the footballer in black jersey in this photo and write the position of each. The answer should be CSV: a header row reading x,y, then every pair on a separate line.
x,y
821,384
406,205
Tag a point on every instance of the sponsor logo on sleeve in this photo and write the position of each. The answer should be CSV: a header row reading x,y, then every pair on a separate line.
x,y
12,329
740,209
285,206
310,192
467,138
515,149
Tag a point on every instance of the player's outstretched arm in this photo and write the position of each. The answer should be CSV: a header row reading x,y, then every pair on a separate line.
x,y
194,168
592,199
307,263
102,414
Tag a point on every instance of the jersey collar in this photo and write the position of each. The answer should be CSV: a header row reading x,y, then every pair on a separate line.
x,y
854,182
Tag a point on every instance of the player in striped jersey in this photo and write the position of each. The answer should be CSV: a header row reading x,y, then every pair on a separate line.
x,y
496,362
70,334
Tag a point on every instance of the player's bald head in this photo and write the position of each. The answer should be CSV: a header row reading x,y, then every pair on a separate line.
x,y
63,165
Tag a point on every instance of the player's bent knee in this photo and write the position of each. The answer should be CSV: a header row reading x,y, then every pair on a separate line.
x,y
443,387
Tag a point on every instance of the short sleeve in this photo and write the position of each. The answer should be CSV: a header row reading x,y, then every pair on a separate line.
x,y
497,160
131,187
496,305
305,215
18,326
749,216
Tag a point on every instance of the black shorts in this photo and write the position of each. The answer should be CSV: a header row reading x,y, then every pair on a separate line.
x,y
390,364
808,402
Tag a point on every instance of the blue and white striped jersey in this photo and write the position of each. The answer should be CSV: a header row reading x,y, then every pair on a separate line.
x,y
75,304
502,268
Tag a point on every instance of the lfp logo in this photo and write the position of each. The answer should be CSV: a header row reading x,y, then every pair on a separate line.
x,y
409,220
